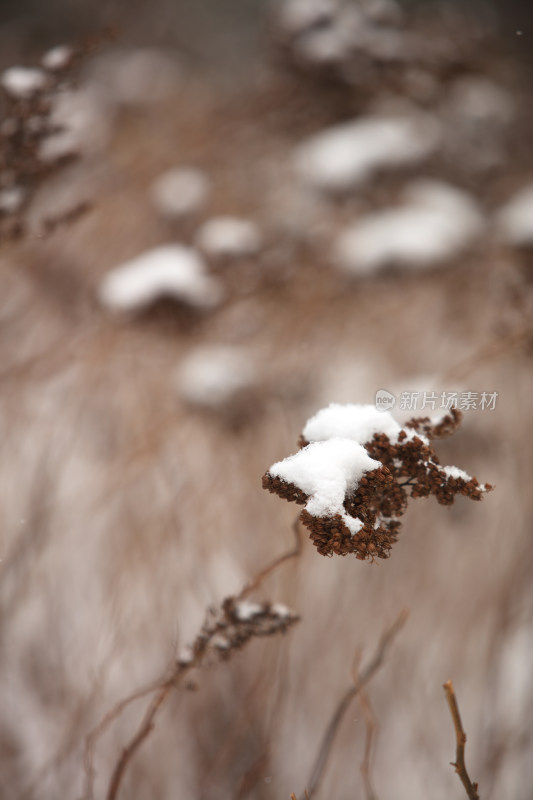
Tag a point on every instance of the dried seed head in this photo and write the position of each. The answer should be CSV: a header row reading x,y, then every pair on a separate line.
x,y
402,464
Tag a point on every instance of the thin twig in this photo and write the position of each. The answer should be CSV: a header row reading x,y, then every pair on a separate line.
x,y
223,623
491,350
371,729
144,730
264,573
460,735
345,702
94,735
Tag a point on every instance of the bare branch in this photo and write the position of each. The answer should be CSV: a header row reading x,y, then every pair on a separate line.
x,y
268,570
493,349
94,735
225,630
345,702
371,729
144,731
460,735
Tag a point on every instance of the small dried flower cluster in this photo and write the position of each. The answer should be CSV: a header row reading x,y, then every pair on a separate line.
x,y
29,101
29,95
356,471
350,42
231,626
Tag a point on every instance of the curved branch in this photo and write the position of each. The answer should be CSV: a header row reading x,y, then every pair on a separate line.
x,y
144,730
345,702
460,735
264,573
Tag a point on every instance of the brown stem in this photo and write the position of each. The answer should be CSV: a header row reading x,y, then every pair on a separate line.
x,y
144,730
165,685
371,729
460,735
264,573
345,702
491,350
94,735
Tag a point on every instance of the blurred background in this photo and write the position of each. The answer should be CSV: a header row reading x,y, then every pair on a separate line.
x,y
216,219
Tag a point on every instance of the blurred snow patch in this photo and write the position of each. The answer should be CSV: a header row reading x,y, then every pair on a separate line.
x,y
72,188
245,610
342,157
228,237
171,271
329,32
11,199
58,57
515,219
482,101
137,77
21,83
437,224
212,377
299,15
280,610
515,687
180,191
82,121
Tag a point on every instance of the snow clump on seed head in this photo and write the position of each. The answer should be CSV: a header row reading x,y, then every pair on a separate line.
x,y
357,470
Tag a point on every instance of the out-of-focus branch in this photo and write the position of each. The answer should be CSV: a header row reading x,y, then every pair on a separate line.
x,y
225,630
270,568
364,677
371,728
143,731
493,349
460,735
94,735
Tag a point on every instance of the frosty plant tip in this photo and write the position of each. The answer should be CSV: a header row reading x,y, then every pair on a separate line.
x,y
357,470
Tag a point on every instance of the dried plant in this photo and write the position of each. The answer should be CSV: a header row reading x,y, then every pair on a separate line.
x,y
460,735
360,681
225,630
356,472
29,99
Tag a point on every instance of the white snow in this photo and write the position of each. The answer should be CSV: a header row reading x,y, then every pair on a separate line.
x,y
437,223
212,376
515,219
82,122
23,82
228,237
297,15
180,191
220,642
479,100
345,156
245,610
326,471
11,199
323,32
325,46
455,472
353,421
58,57
280,610
167,271
185,655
